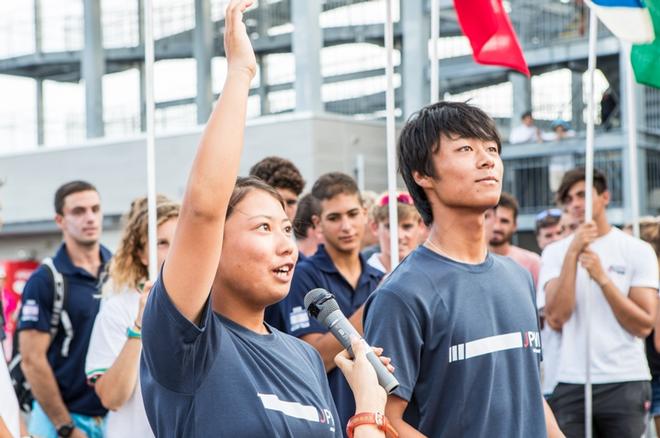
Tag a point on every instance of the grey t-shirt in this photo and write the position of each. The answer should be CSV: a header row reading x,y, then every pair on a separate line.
x,y
465,343
223,380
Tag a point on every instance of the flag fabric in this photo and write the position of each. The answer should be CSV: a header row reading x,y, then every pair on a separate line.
x,y
486,24
645,58
628,20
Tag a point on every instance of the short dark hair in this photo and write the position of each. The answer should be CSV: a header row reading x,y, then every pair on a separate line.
x,y
420,139
279,173
576,175
69,189
246,184
308,207
332,184
526,114
507,200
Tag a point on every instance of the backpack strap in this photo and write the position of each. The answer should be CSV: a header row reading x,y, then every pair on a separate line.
x,y
59,314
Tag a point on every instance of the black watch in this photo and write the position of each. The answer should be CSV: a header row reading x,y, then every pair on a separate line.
x,y
65,430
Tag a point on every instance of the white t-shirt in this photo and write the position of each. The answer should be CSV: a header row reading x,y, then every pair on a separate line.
x,y
374,262
523,134
118,312
551,342
9,411
617,355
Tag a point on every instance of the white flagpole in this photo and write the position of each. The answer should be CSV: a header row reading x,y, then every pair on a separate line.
x,y
632,138
589,182
150,140
390,134
435,36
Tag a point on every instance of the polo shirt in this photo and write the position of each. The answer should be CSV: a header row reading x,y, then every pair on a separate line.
x,y
319,271
81,304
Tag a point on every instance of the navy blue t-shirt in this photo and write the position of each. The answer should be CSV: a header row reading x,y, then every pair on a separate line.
x,y
82,304
464,340
319,271
220,379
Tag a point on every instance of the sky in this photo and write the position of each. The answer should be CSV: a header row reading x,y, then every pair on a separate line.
x,y
175,79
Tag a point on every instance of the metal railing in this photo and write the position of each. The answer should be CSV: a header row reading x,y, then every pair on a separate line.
x,y
533,180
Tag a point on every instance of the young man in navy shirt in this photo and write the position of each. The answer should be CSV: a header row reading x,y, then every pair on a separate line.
x,y
460,323
339,268
65,405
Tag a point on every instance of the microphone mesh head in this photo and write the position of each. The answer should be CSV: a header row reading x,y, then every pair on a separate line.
x,y
328,307
320,303
313,296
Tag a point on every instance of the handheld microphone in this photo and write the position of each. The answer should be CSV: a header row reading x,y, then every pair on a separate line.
x,y
321,304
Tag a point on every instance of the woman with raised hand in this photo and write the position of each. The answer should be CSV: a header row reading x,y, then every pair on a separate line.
x,y
113,356
210,365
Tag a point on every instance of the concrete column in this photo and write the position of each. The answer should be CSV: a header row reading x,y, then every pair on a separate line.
x,y
203,50
263,86
640,113
37,26
140,66
93,68
39,82
416,29
522,96
307,45
40,111
577,103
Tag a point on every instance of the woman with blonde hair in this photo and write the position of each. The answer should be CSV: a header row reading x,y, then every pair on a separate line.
x,y
113,356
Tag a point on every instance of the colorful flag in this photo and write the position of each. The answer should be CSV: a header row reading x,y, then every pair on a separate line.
x,y
493,40
645,58
628,20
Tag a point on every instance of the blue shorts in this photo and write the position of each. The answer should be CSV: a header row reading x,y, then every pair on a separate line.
x,y
655,396
41,426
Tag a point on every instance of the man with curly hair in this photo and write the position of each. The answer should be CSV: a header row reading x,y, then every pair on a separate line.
x,y
285,177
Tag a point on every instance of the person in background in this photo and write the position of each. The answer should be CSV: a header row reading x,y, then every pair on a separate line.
x,y
370,239
113,357
307,235
621,275
337,267
526,132
285,177
649,231
65,406
501,225
561,130
409,229
549,228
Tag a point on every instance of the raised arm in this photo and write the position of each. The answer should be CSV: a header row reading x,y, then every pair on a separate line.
x,y
193,259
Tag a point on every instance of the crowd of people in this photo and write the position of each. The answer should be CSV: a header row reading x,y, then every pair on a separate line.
x,y
485,338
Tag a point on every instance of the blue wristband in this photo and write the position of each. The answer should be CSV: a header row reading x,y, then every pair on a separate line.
x,y
132,334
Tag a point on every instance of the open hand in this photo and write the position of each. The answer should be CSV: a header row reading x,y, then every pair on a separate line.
x,y
238,49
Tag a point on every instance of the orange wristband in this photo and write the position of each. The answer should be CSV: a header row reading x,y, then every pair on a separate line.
x,y
377,419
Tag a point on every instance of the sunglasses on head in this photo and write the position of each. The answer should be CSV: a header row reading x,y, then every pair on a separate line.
x,y
403,198
551,212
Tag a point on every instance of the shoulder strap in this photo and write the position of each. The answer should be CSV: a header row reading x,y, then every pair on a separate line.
x,y
59,314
